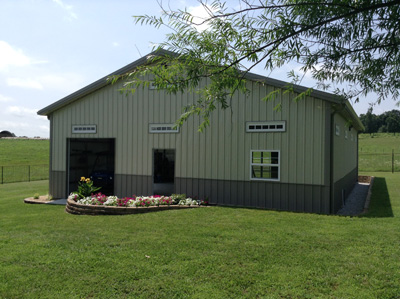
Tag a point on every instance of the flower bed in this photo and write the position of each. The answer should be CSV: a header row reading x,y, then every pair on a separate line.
x,y
100,204
85,202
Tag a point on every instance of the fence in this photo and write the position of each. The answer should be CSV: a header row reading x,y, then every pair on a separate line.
x,y
23,173
388,162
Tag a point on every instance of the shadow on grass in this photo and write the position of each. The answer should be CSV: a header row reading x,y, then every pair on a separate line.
x,y
380,205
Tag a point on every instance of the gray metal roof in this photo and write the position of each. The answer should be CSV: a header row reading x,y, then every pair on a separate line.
x,y
250,76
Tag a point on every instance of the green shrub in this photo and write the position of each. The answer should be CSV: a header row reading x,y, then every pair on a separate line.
x,y
176,198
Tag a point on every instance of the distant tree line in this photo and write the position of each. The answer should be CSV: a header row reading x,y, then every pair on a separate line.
x,y
387,122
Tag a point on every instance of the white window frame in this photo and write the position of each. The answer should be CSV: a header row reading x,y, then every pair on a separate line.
x,y
269,165
337,130
152,86
265,126
169,128
84,129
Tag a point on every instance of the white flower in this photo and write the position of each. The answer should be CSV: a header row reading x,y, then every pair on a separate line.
x,y
111,201
85,201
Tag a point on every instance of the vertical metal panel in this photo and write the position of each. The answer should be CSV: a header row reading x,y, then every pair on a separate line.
x,y
284,199
276,196
345,154
308,198
57,186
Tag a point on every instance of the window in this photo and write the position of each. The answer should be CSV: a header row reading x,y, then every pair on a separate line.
x,y
152,86
163,128
337,130
270,126
85,129
264,165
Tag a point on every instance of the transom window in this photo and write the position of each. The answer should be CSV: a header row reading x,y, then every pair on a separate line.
x,y
163,128
269,126
84,129
265,165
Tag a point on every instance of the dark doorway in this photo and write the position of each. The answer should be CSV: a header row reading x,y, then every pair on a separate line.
x,y
163,171
94,159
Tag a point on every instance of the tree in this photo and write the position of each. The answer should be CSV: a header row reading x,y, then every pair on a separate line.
x,y
370,122
393,125
356,42
388,121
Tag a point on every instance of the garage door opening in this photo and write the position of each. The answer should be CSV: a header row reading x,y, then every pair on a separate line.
x,y
91,158
163,171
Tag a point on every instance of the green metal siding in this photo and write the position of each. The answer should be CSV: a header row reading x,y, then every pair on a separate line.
x,y
222,152
345,150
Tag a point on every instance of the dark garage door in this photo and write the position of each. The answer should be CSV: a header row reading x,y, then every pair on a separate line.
x,y
93,158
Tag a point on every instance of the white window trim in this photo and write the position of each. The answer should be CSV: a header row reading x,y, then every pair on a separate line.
x,y
266,123
84,129
337,127
258,164
152,86
169,128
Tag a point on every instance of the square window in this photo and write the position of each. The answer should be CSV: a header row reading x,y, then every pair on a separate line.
x,y
264,165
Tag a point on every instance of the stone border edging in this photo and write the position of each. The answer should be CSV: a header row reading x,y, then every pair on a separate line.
x,y
75,208
32,200
368,199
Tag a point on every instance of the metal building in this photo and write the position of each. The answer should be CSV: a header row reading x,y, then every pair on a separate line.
x,y
302,158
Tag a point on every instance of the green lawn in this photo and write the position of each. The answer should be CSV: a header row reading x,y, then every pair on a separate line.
x,y
23,160
379,143
375,152
24,152
211,252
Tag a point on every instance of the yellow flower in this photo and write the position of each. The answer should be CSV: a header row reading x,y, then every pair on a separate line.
x,y
87,180
82,179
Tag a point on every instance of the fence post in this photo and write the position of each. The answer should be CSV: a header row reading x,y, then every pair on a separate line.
x,y
392,160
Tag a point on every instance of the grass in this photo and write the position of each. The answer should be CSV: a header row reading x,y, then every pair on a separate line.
x,y
24,152
379,143
23,160
201,253
375,152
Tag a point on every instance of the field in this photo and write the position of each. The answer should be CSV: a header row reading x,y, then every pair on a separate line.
x,y
379,143
23,160
375,152
24,152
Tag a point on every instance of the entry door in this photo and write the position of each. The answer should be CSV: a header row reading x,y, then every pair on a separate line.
x,y
163,171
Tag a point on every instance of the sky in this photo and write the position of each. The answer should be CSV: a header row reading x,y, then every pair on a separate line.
x,y
52,48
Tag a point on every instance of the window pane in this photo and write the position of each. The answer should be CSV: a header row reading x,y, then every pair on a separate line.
x,y
274,157
264,172
265,158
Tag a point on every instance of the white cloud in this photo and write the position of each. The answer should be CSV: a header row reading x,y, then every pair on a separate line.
x,y
5,99
23,121
200,14
44,129
21,111
24,83
115,44
64,82
67,8
10,57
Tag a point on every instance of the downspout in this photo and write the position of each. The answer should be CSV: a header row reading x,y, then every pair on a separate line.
x,y
49,117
